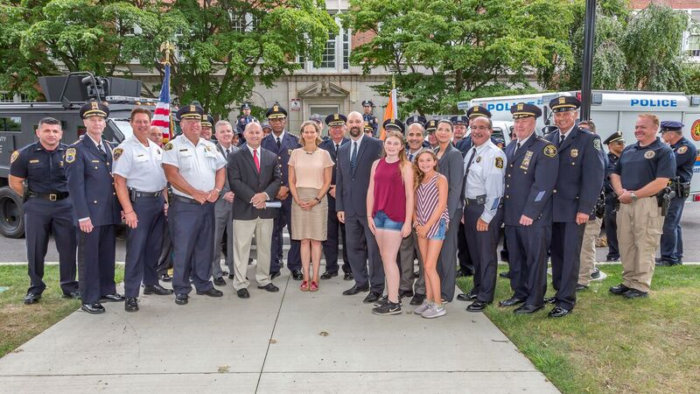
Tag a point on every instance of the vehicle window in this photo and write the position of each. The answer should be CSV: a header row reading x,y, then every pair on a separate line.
x,y
11,123
121,129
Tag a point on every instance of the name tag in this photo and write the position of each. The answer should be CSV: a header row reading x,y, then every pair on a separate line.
x,y
33,161
141,158
185,153
95,161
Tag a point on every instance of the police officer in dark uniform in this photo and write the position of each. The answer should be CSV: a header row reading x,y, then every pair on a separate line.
x,y
368,116
336,230
531,175
243,119
579,181
48,208
685,151
96,209
281,143
615,145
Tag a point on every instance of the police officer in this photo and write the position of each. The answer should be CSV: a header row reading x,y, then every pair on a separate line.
x,y
615,144
207,127
473,112
336,230
196,172
685,151
281,143
643,171
140,184
368,129
96,209
430,127
243,119
484,167
47,209
368,116
579,181
531,175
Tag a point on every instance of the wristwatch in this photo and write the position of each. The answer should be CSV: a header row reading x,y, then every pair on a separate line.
x,y
634,196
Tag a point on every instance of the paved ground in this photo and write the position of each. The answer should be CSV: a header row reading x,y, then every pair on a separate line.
x,y
284,342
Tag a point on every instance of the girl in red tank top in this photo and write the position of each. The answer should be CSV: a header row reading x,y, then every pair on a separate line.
x,y
390,202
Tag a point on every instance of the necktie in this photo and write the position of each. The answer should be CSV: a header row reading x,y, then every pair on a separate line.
x,y
410,157
336,147
279,143
102,151
469,163
228,151
561,138
517,146
353,156
256,160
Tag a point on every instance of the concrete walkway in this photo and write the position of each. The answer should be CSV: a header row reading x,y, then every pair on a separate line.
x,y
271,343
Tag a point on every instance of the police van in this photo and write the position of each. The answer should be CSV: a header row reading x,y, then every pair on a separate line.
x,y
65,95
612,111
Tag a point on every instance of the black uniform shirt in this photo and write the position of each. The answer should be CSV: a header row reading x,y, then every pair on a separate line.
x,y
640,165
685,153
43,169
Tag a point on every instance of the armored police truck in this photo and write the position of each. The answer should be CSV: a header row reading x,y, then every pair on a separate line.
x,y
64,96
612,111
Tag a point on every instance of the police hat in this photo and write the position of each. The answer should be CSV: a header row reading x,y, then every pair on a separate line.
x,y
265,125
564,103
415,119
461,119
316,118
393,124
431,126
94,108
336,120
245,106
192,111
367,103
207,121
670,125
368,127
614,137
477,111
276,112
525,110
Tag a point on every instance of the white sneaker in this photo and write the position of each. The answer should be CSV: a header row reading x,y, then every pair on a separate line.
x,y
422,308
434,311
598,275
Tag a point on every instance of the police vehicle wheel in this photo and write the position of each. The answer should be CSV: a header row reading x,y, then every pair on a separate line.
x,y
11,214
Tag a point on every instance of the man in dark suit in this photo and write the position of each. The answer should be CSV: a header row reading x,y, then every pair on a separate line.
x,y
531,174
579,181
281,143
336,132
96,209
353,167
255,178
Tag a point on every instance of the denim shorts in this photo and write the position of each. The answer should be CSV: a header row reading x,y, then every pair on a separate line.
x,y
382,221
442,229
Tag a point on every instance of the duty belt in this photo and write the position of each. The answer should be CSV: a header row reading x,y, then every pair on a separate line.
x,y
134,194
479,200
186,200
54,196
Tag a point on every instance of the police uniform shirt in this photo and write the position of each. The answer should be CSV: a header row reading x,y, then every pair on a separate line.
x,y
141,166
609,169
640,165
197,164
44,170
685,153
486,177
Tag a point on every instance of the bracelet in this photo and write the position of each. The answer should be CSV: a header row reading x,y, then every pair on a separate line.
x,y
317,199
217,190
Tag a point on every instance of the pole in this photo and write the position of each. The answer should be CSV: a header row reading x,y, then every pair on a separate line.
x,y
589,43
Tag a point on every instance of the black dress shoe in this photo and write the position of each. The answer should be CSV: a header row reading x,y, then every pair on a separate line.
x,y
243,293
611,259
558,312
634,293
372,297
550,300
270,287
116,297
94,309
273,275
230,276
580,287
417,299
505,274
348,276
471,295
224,273
511,301
219,282
477,306
619,289
182,299
664,263
32,298
527,309
355,289
131,305
463,272
328,275
157,290
165,278
297,275
405,293
212,292
74,294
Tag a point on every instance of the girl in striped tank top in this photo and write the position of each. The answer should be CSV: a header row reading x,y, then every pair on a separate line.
x,y
430,220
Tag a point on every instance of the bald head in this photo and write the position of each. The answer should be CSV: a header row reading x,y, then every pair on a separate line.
x,y
355,124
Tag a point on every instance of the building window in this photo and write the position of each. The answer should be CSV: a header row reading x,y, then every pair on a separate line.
x,y
692,43
336,54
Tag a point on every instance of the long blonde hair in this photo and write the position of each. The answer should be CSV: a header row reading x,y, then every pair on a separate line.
x,y
403,159
418,174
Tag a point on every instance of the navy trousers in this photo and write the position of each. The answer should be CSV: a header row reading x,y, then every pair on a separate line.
x,y
284,218
143,245
96,263
610,223
672,237
362,247
566,260
482,246
336,234
192,232
527,249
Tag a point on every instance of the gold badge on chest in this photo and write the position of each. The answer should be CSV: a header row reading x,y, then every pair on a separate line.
x,y
574,152
525,164
649,154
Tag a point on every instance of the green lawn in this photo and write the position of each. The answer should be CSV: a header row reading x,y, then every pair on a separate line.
x,y
609,343
20,323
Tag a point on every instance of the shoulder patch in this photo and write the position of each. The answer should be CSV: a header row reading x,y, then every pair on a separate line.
x,y
680,150
14,156
499,162
596,144
550,150
70,155
116,153
168,146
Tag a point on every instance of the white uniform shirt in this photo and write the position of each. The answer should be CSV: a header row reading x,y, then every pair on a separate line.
x,y
140,166
486,177
197,164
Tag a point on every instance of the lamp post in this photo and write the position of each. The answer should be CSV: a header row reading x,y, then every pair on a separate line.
x,y
588,47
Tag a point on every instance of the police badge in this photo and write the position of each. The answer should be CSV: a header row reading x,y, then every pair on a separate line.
x,y
70,155
574,153
649,154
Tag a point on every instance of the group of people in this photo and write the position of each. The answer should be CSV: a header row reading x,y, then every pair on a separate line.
x,y
427,192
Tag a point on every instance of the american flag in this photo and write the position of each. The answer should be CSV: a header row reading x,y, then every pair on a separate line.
x,y
161,116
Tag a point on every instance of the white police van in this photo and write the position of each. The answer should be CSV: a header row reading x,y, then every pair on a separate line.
x,y
612,111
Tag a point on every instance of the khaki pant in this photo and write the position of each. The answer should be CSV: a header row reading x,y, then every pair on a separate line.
x,y
639,226
588,258
243,231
